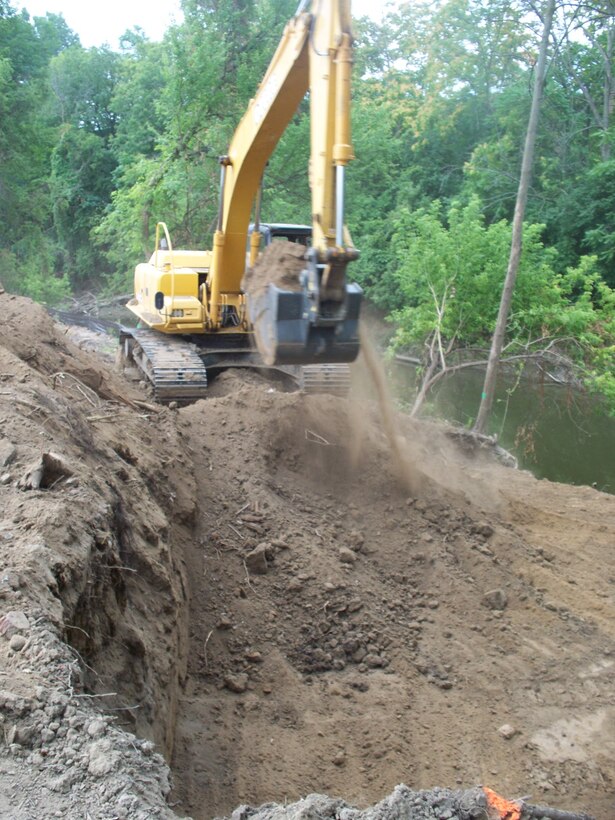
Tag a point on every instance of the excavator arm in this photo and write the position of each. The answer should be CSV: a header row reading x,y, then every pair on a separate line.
x,y
319,323
199,294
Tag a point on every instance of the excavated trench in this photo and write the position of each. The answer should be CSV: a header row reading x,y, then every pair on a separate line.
x,y
253,586
129,626
343,635
329,631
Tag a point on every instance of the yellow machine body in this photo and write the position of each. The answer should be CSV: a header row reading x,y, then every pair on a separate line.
x,y
195,292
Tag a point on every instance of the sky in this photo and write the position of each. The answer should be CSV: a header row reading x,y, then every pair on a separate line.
x,y
104,22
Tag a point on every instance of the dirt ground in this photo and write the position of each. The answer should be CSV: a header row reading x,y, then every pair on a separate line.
x,y
256,592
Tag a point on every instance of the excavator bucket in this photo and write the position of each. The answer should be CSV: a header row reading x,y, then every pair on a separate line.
x,y
293,327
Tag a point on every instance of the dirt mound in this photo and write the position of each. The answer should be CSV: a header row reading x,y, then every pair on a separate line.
x,y
347,635
44,347
250,586
280,263
92,590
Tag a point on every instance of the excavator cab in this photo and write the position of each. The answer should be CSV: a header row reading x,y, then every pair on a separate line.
x,y
281,232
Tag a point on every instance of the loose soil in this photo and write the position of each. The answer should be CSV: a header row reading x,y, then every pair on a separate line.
x,y
248,590
281,263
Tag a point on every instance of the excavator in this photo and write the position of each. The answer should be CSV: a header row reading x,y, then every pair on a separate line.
x,y
195,317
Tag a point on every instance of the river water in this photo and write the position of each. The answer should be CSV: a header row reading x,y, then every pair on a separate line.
x,y
555,431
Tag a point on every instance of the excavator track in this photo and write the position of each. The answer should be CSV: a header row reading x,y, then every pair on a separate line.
x,y
176,370
325,378
173,367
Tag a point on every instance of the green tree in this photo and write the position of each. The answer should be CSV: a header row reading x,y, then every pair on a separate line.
x,y
574,138
83,160
449,274
525,175
208,70
27,247
82,170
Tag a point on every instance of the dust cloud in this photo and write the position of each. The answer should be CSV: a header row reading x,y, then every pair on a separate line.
x,y
427,459
404,460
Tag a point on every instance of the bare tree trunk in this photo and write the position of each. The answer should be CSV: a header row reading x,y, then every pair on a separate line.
x,y
609,88
497,342
426,381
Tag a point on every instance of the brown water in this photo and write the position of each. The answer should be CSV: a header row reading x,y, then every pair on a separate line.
x,y
558,432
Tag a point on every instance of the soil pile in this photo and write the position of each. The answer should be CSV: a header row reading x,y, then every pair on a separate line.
x,y
281,264
347,635
247,587
92,590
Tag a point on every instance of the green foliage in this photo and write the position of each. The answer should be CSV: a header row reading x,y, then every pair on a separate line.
x,y
591,323
31,272
450,271
96,146
378,183
179,105
286,196
83,82
450,274
140,118
80,184
597,218
24,144
54,34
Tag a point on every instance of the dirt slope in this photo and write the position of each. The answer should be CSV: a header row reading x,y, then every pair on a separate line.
x,y
391,636
92,590
248,587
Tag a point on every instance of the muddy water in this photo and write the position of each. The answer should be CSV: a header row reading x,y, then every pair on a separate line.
x,y
557,432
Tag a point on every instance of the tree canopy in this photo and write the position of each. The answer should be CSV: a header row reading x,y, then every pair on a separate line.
x,y
97,145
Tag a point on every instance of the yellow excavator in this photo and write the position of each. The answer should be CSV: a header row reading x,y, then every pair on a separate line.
x,y
194,316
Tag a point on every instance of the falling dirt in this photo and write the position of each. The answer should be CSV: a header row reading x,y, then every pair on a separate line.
x,y
250,588
404,461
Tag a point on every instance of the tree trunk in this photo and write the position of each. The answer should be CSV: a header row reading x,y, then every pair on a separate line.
x,y
497,342
609,91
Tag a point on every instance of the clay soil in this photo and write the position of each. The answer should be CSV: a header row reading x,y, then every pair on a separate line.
x,y
262,593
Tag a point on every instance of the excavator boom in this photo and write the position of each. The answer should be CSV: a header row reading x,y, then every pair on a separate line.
x,y
204,292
